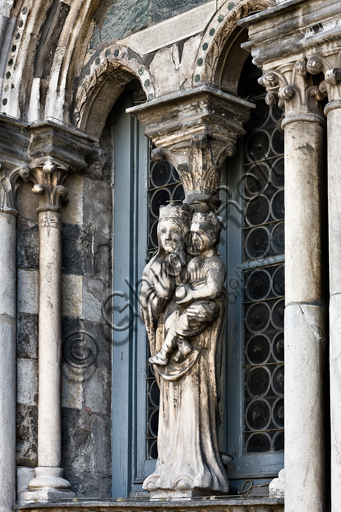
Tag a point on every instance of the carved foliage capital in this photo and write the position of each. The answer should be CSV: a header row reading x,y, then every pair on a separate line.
x,y
9,185
48,182
198,163
296,88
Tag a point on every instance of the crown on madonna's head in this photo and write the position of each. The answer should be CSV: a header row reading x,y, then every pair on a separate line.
x,y
209,218
172,211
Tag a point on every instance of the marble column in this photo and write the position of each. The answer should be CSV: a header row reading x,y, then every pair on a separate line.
x,y
333,113
48,482
305,312
8,214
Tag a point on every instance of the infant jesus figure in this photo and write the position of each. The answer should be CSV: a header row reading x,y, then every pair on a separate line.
x,y
197,298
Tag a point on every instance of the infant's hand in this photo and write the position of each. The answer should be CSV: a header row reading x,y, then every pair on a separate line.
x,y
183,295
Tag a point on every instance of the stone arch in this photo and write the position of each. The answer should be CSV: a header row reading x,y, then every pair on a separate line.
x,y
221,40
101,84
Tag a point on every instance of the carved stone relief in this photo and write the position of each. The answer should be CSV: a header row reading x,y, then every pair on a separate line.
x,y
183,306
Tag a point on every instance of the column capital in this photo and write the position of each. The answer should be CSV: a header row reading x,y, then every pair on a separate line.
x,y
48,181
9,184
195,131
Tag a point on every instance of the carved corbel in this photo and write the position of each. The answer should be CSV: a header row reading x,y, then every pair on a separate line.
x,y
195,131
9,186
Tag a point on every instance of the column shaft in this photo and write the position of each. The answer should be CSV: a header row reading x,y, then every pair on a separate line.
x,y
50,339
334,206
7,360
305,316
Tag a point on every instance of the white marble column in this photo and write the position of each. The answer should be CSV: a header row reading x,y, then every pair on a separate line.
x,y
305,314
49,482
305,288
333,112
8,271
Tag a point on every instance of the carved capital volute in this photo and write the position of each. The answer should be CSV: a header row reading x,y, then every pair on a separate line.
x,y
295,87
48,181
9,180
195,131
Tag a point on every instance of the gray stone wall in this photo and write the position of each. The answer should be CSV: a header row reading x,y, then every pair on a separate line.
x,y
86,365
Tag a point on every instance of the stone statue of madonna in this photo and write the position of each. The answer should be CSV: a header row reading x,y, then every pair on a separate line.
x,y
183,306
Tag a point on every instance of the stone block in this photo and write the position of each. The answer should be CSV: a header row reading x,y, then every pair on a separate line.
x,y
89,484
72,295
28,291
103,262
27,336
77,249
72,387
165,71
86,442
27,202
190,50
24,475
94,293
98,209
27,436
72,213
27,244
27,381
97,391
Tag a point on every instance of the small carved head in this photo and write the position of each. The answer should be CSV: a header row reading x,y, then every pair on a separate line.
x,y
205,231
173,227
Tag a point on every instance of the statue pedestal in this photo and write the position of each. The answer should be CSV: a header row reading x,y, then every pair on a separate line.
x,y
169,495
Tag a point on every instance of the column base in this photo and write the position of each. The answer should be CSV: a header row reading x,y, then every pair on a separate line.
x,y
48,484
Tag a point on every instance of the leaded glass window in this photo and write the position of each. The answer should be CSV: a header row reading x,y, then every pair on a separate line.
x,y
263,300
164,186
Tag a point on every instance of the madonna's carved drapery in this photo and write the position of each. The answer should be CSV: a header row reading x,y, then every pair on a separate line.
x,y
183,306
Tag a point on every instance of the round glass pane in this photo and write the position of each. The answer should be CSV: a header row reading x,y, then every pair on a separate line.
x,y
277,238
258,349
178,193
258,317
257,146
258,443
258,382
153,450
277,315
175,174
276,112
278,380
257,210
278,347
256,179
154,394
257,243
160,197
278,442
258,415
258,285
277,173
160,174
259,115
278,413
277,205
154,423
153,234
278,281
277,142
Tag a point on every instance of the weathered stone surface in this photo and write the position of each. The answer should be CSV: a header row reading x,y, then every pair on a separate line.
x,y
72,295
27,336
27,435
24,475
97,205
276,486
72,213
94,293
165,71
27,244
27,203
27,297
27,378
86,450
77,244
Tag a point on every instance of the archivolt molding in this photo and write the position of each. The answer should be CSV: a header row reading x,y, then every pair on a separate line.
x,y
217,33
112,59
31,15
